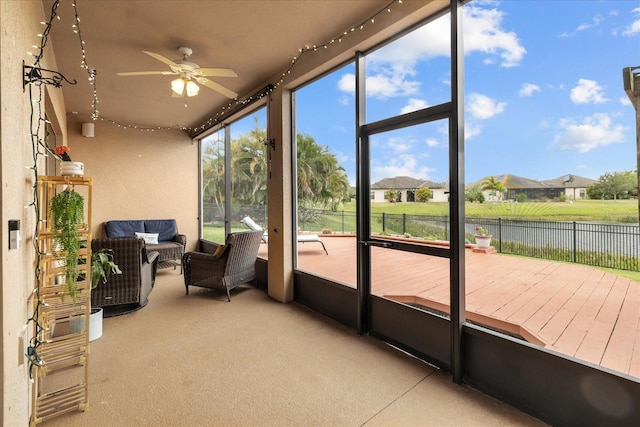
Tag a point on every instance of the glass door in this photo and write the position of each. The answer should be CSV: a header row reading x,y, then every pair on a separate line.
x,y
404,253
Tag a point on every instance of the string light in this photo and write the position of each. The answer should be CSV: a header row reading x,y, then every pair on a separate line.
x,y
40,148
83,63
237,104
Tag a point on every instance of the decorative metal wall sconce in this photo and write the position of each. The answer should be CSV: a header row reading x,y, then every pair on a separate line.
x,y
33,75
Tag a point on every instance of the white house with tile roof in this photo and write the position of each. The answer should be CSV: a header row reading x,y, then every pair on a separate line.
x,y
406,188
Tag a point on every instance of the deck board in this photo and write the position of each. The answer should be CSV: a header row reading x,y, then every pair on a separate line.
x,y
619,352
577,310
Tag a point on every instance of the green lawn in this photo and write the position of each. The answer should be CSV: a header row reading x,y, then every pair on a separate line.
x,y
216,233
624,211
582,210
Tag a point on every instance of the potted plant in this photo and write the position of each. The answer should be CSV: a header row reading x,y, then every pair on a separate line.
x,y
67,214
67,166
483,238
102,267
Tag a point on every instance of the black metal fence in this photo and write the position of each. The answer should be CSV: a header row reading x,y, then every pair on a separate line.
x,y
598,244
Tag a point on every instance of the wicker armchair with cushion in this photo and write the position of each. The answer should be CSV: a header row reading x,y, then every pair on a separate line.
x,y
231,265
130,290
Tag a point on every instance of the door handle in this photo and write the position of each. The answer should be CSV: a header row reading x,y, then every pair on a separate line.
x,y
375,243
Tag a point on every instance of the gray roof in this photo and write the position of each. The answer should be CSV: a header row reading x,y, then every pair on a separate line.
x,y
397,183
512,182
570,181
405,183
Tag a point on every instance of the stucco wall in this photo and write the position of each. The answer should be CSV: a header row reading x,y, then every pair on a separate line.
x,y
139,174
20,24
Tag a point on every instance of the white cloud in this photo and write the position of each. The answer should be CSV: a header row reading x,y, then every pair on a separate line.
x,y
595,131
343,157
347,83
634,27
383,85
396,144
528,89
471,130
389,85
414,105
595,22
483,32
403,165
482,107
392,68
587,91
432,142
624,100
344,100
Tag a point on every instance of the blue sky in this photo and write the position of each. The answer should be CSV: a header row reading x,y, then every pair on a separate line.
x,y
543,88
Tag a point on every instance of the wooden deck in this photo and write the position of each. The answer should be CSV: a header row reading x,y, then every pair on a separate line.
x,y
574,309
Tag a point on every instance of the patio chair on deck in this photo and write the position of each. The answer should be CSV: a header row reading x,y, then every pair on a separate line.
x,y
231,265
302,238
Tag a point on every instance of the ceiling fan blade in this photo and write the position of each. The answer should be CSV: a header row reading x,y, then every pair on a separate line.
x,y
147,73
216,72
218,88
161,58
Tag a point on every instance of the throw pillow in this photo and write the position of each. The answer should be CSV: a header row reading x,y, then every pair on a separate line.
x,y
219,250
149,238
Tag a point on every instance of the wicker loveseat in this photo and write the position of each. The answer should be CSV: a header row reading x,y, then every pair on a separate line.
x,y
130,290
160,235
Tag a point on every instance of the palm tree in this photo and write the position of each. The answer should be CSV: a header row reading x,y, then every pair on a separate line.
x,y
494,186
249,167
213,175
321,179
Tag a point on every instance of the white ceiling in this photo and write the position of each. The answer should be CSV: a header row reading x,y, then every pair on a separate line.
x,y
256,38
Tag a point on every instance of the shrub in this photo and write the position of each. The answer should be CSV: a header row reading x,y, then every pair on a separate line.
x,y
423,195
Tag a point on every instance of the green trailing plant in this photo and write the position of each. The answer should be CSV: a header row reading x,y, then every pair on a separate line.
x,y
102,267
67,213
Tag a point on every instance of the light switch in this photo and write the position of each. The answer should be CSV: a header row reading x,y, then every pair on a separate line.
x,y
14,234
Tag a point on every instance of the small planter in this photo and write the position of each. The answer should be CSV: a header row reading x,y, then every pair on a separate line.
x,y
483,242
71,168
95,323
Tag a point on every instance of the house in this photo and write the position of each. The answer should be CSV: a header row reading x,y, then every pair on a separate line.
x,y
143,154
572,187
405,188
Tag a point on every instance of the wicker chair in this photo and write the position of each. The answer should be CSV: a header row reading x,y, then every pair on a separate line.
x,y
130,290
232,264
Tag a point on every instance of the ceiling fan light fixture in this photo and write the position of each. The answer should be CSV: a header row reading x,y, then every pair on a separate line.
x,y
187,70
192,88
178,86
183,85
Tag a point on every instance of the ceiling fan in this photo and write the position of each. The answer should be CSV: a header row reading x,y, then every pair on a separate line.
x,y
187,70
